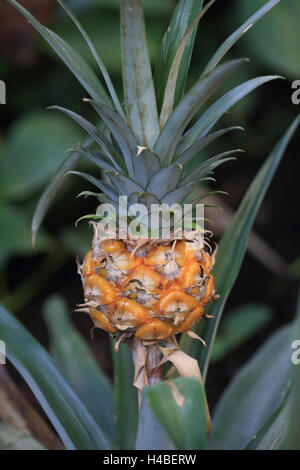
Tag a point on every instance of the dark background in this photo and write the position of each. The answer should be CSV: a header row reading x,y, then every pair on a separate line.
x,y
33,142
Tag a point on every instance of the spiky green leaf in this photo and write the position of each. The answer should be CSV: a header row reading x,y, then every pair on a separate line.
x,y
169,95
71,419
234,37
233,247
125,397
200,144
218,109
122,134
100,64
209,165
77,364
140,100
97,135
78,66
169,137
184,14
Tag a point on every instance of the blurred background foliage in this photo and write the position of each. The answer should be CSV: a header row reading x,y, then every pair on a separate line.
x,y
33,143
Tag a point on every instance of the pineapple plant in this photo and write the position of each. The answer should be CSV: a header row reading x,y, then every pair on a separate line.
x,y
151,289
145,290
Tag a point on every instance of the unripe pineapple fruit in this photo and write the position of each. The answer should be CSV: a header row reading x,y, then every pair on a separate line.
x,y
152,292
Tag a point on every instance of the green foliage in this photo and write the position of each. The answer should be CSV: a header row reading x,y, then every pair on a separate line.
x,y
233,246
179,405
275,41
254,394
76,363
69,416
125,398
237,327
291,439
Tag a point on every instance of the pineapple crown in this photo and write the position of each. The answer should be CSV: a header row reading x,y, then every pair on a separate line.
x,y
142,150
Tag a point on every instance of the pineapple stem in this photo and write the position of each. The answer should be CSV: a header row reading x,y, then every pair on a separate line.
x,y
148,370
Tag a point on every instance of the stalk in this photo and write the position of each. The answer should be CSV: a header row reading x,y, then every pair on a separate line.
x,y
148,371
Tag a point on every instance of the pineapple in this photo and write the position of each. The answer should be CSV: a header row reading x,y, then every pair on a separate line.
x,y
152,292
148,288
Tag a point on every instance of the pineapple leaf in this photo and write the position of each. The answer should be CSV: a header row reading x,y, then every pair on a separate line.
x,y
119,130
140,100
165,180
269,436
179,194
233,247
125,186
96,157
50,192
206,167
182,18
234,37
100,64
200,144
75,360
184,418
104,187
125,397
191,103
255,393
146,163
71,419
99,137
150,433
78,66
205,195
291,438
169,95
219,108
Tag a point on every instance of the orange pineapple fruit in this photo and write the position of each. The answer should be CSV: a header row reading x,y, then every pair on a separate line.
x,y
152,292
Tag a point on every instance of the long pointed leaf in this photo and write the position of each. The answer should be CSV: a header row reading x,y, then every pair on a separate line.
x,y
120,131
165,180
100,64
179,194
125,398
78,66
169,96
104,187
77,364
254,394
72,421
208,165
270,435
92,130
234,37
191,103
233,247
291,439
200,144
50,192
139,92
96,157
125,186
183,15
219,108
